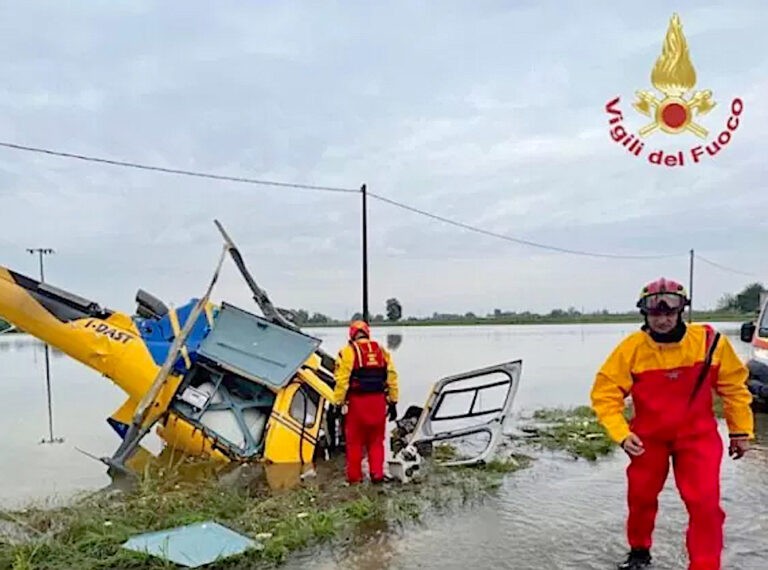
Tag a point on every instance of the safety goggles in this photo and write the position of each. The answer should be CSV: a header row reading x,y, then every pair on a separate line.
x,y
662,303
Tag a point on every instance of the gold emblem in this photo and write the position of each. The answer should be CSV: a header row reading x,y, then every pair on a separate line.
x,y
674,76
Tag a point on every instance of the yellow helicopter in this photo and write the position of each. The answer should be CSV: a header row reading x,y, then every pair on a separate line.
x,y
223,383
217,381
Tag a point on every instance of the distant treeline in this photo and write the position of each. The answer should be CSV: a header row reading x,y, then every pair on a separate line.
x,y
554,317
739,306
746,301
507,318
557,316
731,307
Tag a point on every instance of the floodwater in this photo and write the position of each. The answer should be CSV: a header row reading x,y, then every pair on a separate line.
x,y
558,514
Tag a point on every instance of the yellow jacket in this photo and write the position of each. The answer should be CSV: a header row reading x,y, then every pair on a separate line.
x,y
344,363
660,379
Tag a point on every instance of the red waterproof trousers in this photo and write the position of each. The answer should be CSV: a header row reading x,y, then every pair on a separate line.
x,y
696,462
365,428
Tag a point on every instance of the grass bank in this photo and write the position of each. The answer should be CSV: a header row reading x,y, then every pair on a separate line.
x,y
88,534
284,519
577,432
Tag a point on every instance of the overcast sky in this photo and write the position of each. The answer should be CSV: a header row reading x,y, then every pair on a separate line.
x,y
488,112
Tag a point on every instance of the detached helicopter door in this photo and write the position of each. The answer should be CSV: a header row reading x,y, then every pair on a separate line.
x,y
468,412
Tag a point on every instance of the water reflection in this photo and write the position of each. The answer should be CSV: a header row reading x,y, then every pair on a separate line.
x,y
394,340
371,549
284,476
559,514
566,514
172,467
23,343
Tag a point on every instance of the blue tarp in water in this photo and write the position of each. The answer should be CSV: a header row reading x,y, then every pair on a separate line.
x,y
192,545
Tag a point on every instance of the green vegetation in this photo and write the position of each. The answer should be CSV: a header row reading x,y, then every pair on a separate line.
x,y
575,431
440,319
444,452
394,310
746,301
88,534
731,307
741,306
718,406
304,319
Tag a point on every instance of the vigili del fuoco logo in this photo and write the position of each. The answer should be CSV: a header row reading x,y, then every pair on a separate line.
x,y
673,110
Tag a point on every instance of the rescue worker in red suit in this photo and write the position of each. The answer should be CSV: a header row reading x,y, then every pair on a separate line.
x,y
366,382
663,368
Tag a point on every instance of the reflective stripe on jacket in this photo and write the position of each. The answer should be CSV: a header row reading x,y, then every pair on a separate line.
x,y
660,379
348,376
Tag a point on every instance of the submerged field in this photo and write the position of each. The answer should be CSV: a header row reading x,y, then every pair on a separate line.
x,y
319,509
451,519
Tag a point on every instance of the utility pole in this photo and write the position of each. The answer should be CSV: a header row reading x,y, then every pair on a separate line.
x,y
690,289
41,252
363,191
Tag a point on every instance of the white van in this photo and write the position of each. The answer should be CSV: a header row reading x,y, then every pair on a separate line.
x,y
756,333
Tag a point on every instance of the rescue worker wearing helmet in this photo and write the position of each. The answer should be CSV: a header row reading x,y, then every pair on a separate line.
x,y
670,370
366,381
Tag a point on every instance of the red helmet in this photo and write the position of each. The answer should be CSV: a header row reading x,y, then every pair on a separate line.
x,y
663,295
359,326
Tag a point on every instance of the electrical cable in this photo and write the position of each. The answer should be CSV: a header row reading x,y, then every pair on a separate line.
x,y
176,170
723,267
373,195
513,239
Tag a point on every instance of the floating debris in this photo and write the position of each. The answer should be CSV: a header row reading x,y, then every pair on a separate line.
x,y
573,430
192,545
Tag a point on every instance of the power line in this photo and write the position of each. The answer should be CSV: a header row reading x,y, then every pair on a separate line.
x,y
348,191
176,171
513,239
723,267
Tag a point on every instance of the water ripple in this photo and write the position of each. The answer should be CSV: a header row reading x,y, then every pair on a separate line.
x,y
571,515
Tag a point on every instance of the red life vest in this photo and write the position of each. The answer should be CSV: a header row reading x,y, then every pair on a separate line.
x,y
369,371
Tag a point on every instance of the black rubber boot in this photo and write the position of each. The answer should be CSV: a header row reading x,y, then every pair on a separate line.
x,y
637,558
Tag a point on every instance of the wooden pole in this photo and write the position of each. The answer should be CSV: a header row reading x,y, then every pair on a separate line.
x,y
690,289
366,316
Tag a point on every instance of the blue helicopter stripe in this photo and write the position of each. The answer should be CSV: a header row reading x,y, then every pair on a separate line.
x,y
158,335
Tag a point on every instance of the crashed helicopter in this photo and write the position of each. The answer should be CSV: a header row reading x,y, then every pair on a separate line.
x,y
224,383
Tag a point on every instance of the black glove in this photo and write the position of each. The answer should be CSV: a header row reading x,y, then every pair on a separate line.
x,y
392,410
738,447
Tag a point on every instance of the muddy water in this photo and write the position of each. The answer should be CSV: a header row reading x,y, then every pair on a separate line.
x,y
562,514
559,514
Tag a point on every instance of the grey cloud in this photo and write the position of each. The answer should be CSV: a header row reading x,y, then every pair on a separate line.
x,y
489,113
